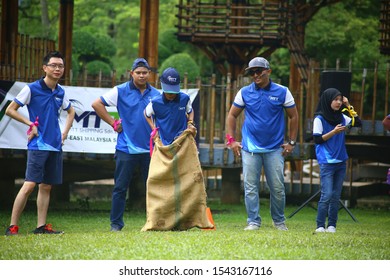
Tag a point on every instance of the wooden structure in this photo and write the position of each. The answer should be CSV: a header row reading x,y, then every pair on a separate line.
x,y
231,32
148,38
385,27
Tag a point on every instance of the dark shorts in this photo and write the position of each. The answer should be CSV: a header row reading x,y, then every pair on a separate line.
x,y
44,167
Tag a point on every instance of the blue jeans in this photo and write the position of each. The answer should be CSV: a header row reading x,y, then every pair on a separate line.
x,y
332,176
273,163
126,165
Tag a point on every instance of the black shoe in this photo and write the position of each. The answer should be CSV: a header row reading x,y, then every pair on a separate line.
x,y
46,229
12,230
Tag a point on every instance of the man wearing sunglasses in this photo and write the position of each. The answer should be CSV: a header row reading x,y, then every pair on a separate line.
x,y
263,145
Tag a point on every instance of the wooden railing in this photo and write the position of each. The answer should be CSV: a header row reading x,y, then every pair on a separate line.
x,y
26,59
228,22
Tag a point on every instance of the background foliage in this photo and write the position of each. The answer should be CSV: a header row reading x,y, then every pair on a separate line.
x,y
108,32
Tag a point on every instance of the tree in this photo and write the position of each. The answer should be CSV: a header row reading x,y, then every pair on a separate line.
x,y
183,63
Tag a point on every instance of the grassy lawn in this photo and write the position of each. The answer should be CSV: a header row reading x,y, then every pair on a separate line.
x,y
87,237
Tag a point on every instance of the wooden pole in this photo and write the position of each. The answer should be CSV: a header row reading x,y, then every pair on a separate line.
x,y
148,40
374,95
363,85
387,90
65,36
212,118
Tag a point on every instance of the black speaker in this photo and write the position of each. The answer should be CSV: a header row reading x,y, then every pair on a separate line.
x,y
340,80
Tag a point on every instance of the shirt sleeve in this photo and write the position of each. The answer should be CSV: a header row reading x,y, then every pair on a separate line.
x,y
66,102
317,127
149,110
289,101
24,96
189,106
238,101
111,97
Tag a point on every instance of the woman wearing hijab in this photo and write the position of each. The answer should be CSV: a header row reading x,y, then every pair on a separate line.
x,y
329,129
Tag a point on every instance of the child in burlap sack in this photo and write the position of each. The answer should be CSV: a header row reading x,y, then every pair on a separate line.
x,y
176,195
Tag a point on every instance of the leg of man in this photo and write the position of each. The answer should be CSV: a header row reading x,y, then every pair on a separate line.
x,y
145,162
252,164
273,169
52,175
125,166
21,200
43,200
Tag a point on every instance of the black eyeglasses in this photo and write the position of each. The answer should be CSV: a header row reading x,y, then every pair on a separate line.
x,y
256,71
55,66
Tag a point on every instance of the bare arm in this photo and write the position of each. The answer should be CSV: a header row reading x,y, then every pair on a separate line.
x,y
68,124
149,121
101,111
12,111
292,114
231,123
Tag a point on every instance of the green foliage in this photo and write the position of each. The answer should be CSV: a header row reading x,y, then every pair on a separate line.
x,y
90,47
280,69
183,63
94,67
87,237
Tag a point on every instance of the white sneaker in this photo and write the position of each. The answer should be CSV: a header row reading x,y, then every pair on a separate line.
x,y
331,229
252,227
320,229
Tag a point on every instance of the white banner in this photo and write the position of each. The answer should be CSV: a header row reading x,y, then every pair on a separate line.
x,y
89,134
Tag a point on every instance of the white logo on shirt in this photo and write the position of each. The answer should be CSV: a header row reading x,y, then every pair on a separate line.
x,y
273,98
182,108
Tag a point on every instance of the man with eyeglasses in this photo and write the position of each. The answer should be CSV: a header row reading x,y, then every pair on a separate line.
x,y
262,146
45,99
132,147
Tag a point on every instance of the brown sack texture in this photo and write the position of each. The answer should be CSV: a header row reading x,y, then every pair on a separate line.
x,y
176,195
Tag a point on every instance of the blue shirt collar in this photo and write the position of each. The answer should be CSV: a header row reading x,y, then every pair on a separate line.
x,y
267,88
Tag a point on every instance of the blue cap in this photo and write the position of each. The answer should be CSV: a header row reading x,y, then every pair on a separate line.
x,y
140,62
170,81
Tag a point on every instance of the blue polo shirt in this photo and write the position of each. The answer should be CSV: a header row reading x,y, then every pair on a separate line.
x,y
170,115
264,125
130,103
46,104
333,150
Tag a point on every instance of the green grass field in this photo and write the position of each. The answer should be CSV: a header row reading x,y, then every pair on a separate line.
x,y
87,237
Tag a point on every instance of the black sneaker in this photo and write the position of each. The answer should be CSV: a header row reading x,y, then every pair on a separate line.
x,y
46,229
12,230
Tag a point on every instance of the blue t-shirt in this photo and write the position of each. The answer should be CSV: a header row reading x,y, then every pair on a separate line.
x,y
46,104
333,150
130,103
170,115
264,125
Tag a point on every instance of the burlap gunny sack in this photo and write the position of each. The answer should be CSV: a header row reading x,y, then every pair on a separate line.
x,y
176,195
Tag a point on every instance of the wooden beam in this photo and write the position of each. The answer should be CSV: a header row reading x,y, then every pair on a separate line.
x,y
9,31
65,36
148,39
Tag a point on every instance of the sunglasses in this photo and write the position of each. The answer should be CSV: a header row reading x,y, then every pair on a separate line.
x,y
256,71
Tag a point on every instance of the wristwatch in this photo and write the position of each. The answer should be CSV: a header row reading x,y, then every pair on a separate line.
x,y
292,142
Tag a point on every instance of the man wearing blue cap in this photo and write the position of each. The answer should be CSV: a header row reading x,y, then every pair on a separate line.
x,y
265,104
176,195
172,111
132,147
